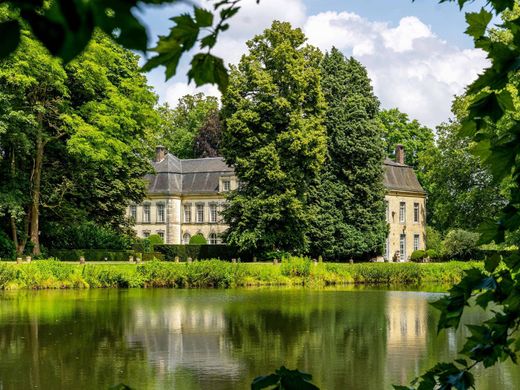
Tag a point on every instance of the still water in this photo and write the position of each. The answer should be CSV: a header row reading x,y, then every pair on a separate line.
x,y
221,339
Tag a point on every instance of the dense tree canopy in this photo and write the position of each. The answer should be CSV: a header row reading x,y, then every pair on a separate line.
x,y
348,198
399,129
461,192
275,139
181,125
71,138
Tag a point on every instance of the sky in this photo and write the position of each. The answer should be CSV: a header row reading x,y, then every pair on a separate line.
x,y
416,53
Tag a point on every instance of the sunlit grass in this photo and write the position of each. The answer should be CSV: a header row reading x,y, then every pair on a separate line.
x,y
52,274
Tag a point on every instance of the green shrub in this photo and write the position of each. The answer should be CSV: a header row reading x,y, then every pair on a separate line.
x,y
433,255
201,252
155,239
460,244
7,274
418,255
296,266
91,254
279,255
433,239
7,247
86,235
198,239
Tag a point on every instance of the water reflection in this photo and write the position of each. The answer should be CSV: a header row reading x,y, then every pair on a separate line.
x,y
200,339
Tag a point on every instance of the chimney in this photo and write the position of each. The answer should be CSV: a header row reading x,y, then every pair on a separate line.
x,y
160,153
399,154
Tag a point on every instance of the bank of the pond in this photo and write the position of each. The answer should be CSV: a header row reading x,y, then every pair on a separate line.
x,y
47,274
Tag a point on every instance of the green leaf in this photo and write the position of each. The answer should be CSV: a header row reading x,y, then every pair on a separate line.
x,y
10,37
208,69
492,262
203,17
261,382
186,31
478,22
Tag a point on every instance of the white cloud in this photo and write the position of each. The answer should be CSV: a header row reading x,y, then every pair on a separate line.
x,y
251,20
401,38
410,67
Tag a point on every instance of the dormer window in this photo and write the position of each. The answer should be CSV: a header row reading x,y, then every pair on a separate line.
x,y
226,185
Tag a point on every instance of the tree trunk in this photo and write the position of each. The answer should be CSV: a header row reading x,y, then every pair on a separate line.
x,y
14,231
35,201
15,235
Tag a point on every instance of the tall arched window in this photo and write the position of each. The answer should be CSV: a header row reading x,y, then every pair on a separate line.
x,y
186,238
213,238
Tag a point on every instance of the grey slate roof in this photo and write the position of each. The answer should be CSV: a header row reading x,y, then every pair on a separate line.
x,y
176,176
201,175
400,177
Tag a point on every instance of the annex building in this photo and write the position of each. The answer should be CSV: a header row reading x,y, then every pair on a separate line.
x,y
185,197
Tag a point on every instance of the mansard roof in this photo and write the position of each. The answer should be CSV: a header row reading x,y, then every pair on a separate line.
x,y
400,177
201,175
176,176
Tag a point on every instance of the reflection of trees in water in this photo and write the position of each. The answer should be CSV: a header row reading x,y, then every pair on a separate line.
x,y
217,339
336,336
61,340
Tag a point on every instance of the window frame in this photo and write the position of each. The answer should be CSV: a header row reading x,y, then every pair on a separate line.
x,y
226,185
161,206
187,213
416,212
147,213
133,212
199,216
213,213
402,212
213,239
402,247
418,238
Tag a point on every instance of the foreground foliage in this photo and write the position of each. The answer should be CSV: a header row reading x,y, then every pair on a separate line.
x,y
284,379
215,273
492,124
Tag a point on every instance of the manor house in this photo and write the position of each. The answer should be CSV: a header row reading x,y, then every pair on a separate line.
x,y
185,197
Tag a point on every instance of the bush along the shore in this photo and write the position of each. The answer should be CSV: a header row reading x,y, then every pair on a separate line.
x,y
293,271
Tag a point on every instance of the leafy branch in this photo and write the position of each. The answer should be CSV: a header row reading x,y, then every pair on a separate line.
x,y
65,27
496,136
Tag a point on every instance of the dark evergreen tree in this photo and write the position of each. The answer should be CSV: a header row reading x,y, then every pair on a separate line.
x,y
348,198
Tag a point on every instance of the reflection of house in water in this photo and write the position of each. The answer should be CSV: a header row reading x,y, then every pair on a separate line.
x,y
407,332
180,337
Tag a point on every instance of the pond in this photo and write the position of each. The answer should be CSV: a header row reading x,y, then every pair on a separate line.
x,y
355,338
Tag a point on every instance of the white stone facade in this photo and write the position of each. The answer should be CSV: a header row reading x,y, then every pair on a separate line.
x,y
186,197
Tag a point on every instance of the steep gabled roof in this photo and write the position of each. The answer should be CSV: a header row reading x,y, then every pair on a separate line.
x,y
400,177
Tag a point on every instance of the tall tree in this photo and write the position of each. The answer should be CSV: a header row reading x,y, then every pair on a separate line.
x,y
461,191
71,145
181,124
207,142
274,137
348,198
399,129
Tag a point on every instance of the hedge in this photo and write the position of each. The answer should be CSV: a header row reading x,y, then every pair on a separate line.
x,y
91,254
200,252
